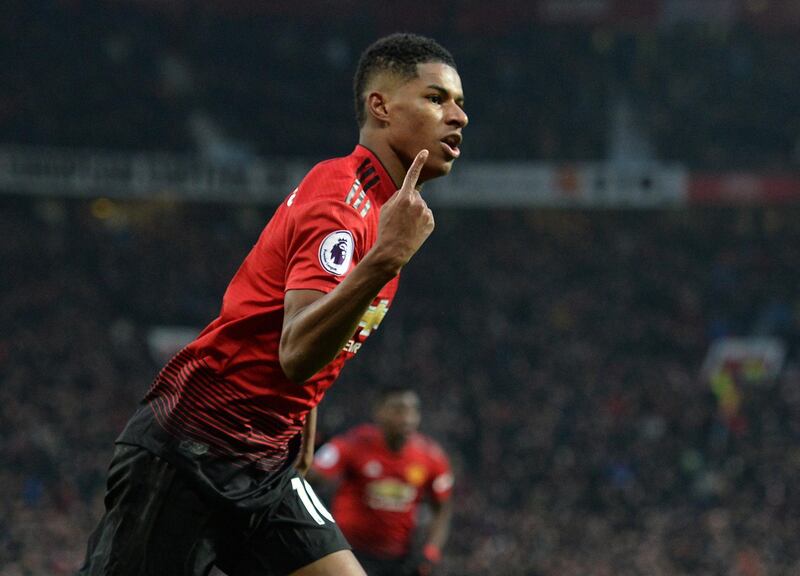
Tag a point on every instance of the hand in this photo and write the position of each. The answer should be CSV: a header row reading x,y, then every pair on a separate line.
x,y
303,464
405,221
427,562
425,568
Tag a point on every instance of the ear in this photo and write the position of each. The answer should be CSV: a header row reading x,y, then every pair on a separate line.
x,y
377,106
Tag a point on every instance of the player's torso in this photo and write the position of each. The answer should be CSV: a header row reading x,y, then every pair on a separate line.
x,y
377,499
323,228
388,480
229,379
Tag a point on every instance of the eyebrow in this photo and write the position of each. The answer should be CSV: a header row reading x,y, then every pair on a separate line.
x,y
458,100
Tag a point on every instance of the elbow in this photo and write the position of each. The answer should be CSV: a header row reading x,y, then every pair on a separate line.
x,y
292,370
293,366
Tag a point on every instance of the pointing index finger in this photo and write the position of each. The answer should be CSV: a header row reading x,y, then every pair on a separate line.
x,y
410,181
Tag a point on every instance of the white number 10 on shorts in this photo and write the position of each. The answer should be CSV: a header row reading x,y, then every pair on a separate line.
x,y
310,501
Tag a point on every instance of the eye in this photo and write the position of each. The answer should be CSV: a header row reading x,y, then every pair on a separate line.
x,y
435,98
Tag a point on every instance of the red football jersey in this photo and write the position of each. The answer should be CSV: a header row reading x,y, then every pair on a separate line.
x,y
227,389
376,501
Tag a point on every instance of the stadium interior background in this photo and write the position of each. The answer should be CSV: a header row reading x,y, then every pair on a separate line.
x,y
634,202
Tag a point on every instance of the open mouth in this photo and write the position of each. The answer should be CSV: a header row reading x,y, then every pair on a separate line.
x,y
451,145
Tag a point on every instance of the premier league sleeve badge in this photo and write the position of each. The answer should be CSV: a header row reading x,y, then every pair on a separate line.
x,y
336,252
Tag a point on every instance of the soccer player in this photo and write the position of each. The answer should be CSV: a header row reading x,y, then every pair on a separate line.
x,y
203,474
385,470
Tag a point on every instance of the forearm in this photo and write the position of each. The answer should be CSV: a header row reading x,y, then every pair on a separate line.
x,y
314,334
306,456
440,526
316,327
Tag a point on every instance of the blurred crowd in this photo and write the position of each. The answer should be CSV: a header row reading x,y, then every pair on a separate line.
x,y
557,354
231,85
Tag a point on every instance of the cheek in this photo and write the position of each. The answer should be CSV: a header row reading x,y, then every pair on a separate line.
x,y
418,121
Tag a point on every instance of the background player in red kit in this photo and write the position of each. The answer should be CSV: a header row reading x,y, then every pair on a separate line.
x,y
203,473
385,472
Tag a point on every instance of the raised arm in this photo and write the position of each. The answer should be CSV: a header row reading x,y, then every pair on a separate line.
x,y
317,325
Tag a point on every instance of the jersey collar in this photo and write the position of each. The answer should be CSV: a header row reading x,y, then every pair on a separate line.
x,y
372,174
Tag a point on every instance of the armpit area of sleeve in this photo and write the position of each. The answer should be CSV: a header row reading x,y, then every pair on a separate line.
x,y
325,242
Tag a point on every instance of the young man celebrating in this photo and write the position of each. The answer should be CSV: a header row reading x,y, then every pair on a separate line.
x,y
385,471
203,473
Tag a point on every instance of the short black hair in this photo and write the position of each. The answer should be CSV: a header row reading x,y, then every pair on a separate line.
x,y
397,53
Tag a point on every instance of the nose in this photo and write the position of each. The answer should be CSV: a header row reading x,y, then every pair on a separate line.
x,y
407,418
457,116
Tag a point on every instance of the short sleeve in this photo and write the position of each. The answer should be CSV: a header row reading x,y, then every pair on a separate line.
x,y
331,458
325,241
441,485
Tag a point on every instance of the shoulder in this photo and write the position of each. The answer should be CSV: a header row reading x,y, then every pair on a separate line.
x,y
328,180
340,448
357,435
428,446
364,434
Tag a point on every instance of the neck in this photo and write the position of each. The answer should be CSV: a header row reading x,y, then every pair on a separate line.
x,y
385,153
394,442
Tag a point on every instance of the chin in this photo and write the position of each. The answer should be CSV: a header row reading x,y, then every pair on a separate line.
x,y
431,172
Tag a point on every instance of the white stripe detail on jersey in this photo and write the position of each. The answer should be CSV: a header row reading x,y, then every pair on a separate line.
x,y
352,193
359,200
356,200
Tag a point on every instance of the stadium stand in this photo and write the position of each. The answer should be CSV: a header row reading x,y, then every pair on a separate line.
x,y
129,76
558,353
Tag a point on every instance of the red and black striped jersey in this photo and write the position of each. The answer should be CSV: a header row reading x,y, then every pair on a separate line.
x,y
226,390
